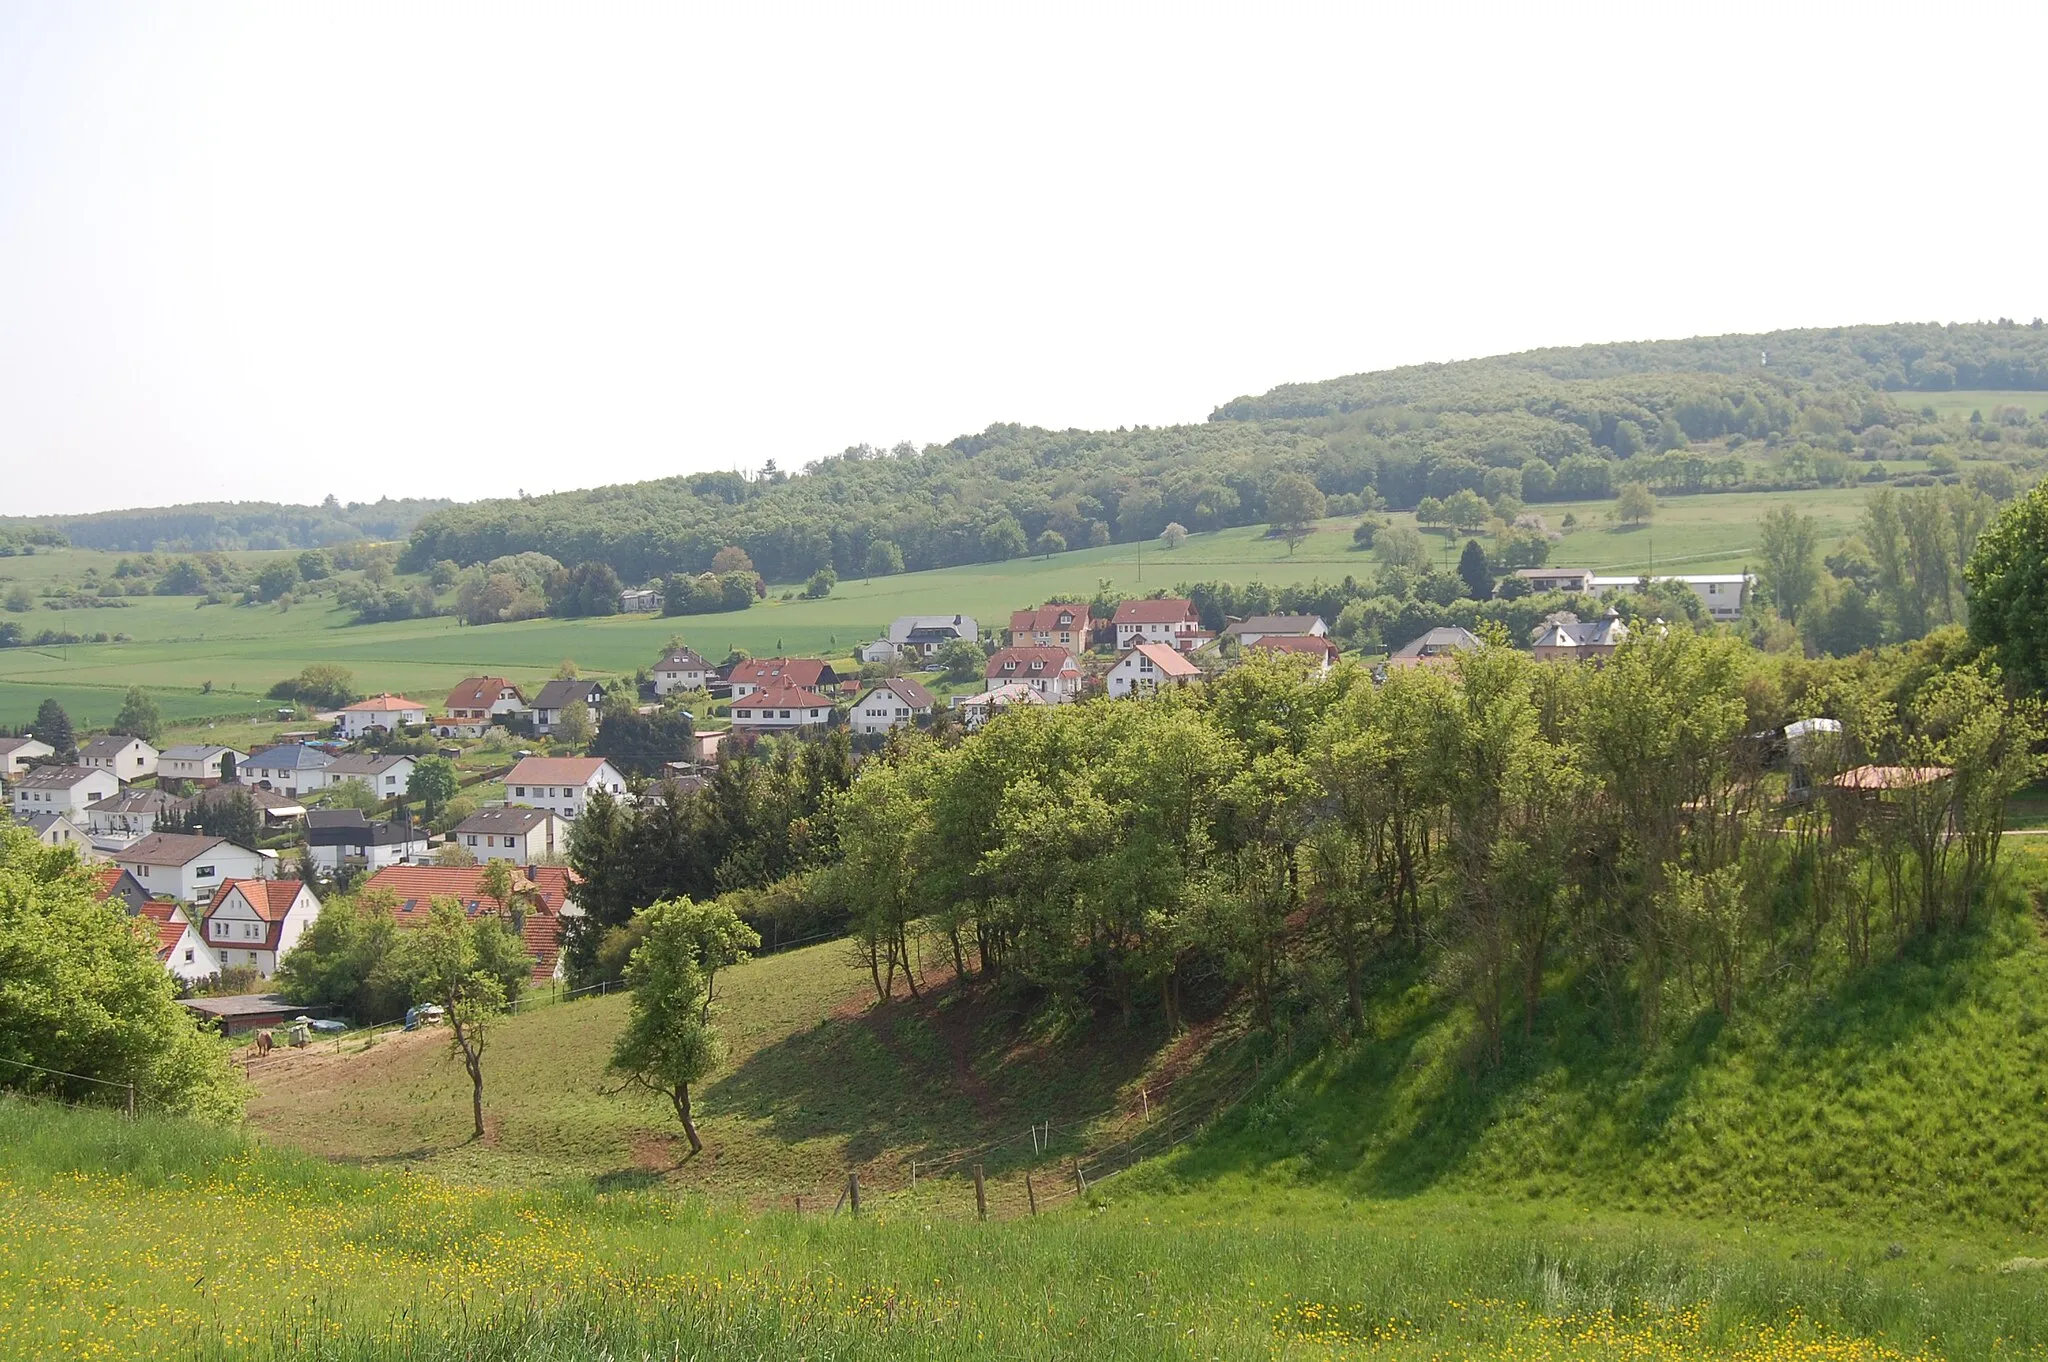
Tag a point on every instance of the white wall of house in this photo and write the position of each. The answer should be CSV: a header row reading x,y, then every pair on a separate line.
x,y
291,780
239,935
133,760
197,879
525,848
566,801
1129,636
71,801
682,678
14,761
353,723
762,718
192,958
176,768
373,857
879,711
1135,674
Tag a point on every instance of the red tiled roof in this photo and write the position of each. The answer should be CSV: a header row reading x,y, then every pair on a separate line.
x,y
1166,659
169,921
478,692
554,771
1058,662
271,899
1046,619
800,672
106,879
1171,610
383,704
417,886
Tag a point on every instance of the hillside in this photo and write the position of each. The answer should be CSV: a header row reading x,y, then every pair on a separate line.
x,y
201,527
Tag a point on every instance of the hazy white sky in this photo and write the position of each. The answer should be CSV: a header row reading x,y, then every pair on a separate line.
x,y
279,250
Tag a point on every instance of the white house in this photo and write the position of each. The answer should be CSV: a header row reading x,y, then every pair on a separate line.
x,y
69,790
557,696
1170,620
196,761
345,837
1578,581
939,629
893,703
522,836
388,776
131,814
484,698
681,669
780,673
57,830
386,711
1723,593
128,758
292,769
1148,667
1252,630
562,785
880,650
783,709
183,866
17,753
252,922
1052,672
179,946
976,710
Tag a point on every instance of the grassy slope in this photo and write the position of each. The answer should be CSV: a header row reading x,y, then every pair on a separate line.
x,y
153,1239
178,646
815,1085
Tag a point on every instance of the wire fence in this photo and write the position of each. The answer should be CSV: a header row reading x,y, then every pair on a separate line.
x,y
118,1094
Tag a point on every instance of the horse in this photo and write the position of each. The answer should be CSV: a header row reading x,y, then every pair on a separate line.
x,y
264,1042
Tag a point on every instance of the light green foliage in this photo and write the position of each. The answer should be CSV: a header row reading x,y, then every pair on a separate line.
x,y
1634,504
2008,577
1294,504
140,716
471,969
350,794
434,782
349,959
669,1042
1789,570
81,992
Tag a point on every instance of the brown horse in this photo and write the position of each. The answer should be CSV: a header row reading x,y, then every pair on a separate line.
x,y
264,1042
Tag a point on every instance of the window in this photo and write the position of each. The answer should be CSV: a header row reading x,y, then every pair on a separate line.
x,y
188,955
472,838
785,714
519,790
204,872
252,957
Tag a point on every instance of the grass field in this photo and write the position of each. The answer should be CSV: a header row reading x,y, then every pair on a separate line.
x,y
178,646
1961,404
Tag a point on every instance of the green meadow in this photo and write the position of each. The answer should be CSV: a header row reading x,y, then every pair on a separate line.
x,y
206,661
1982,400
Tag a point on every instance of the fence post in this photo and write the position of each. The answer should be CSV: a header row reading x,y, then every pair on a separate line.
x,y
131,1101
980,1195
1080,1178
1030,1195
853,1192
1145,1104
799,1203
913,1175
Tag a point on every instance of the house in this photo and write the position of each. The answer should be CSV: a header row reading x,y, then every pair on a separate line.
x,y
1578,581
388,712
293,769
1053,626
1169,620
57,830
681,669
881,650
484,698
1722,593
890,704
641,601
388,776
197,762
557,696
254,923
976,710
780,673
783,709
276,808
184,866
180,948
924,635
1321,653
131,814
128,758
562,785
346,837
1052,672
69,790
1566,639
115,885
523,836
546,896
1250,631
17,753
1149,666
1436,647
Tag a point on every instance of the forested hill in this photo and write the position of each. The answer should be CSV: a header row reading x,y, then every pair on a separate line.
x,y
1545,426
221,526
1911,357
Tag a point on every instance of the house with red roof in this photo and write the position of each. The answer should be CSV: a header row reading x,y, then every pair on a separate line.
x,y
1051,672
253,923
545,897
1053,626
483,698
388,712
180,948
1149,667
1170,620
780,709
780,673
562,785
113,884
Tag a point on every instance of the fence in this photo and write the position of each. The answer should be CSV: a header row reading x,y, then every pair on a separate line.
x,y
119,1094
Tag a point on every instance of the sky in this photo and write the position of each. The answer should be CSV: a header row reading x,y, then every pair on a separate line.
x,y
272,252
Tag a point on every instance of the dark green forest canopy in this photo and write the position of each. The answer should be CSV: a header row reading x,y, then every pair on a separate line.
x,y
226,526
1548,425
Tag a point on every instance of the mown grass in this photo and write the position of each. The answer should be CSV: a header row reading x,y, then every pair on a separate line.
x,y
158,1240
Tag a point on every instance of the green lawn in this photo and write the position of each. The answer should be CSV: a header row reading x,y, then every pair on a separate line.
x,y
1979,400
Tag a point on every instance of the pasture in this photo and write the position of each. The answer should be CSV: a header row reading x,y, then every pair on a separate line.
x,y
1961,403
207,661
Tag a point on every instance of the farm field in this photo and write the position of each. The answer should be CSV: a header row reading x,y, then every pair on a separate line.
x,y
178,647
1963,402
